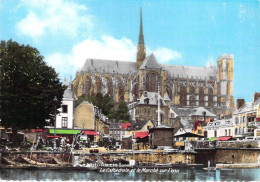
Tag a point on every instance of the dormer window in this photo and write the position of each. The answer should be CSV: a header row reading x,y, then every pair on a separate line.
x,y
146,101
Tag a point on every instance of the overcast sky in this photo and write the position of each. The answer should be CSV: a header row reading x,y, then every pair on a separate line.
x,y
190,32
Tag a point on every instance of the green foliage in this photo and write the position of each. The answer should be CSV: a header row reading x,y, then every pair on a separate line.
x,y
28,87
122,112
107,106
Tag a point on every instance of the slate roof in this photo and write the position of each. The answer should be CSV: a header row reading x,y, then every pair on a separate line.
x,y
68,93
153,98
150,62
208,73
109,66
199,112
182,112
139,125
220,123
183,123
166,97
115,124
248,106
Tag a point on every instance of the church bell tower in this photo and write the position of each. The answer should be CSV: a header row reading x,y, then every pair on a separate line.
x,y
141,47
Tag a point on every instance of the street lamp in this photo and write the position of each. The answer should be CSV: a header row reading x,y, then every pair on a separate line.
x,y
55,101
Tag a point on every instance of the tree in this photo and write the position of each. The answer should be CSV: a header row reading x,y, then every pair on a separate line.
x,y
107,106
122,112
28,87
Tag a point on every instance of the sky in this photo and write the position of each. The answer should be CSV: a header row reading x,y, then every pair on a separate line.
x,y
188,32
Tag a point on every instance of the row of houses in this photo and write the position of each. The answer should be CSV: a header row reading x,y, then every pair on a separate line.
x,y
243,124
200,121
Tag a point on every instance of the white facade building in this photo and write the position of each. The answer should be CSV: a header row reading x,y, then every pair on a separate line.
x,y
220,128
65,118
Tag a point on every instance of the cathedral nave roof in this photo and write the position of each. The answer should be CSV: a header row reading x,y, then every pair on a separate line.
x,y
109,66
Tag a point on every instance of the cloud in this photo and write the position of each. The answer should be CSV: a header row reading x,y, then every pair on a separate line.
x,y
55,17
164,55
108,48
210,62
242,13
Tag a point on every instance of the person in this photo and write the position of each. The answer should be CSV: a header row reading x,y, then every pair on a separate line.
x,y
62,142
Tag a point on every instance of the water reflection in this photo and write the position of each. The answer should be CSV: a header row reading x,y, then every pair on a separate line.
x,y
183,174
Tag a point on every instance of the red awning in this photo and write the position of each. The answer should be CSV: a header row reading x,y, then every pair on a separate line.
x,y
223,138
258,119
91,132
37,130
141,134
126,125
52,136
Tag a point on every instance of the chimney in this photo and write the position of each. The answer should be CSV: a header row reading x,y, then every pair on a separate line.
x,y
240,102
256,96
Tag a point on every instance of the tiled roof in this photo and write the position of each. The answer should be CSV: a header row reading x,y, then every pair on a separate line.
x,y
126,125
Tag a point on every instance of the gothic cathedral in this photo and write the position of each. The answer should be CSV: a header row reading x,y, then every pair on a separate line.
x,y
185,86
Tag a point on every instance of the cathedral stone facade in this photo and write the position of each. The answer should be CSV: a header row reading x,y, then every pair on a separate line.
x,y
186,86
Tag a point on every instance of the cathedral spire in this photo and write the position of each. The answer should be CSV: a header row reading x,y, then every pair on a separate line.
x,y
141,47
141,35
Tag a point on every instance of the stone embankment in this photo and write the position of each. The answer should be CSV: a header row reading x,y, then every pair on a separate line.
x,y
57,159
224,157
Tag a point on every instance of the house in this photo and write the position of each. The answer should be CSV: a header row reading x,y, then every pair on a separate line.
x,y
203,115
246,118
66,113
115,132
191,120
161,136
182,127
220,128
146,108
89,118
140,126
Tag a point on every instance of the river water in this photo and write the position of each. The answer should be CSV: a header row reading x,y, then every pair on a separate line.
x,y
180,174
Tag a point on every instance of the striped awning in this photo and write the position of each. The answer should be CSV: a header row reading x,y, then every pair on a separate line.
x,y
68,132
223,138
92,132
141,134
213,138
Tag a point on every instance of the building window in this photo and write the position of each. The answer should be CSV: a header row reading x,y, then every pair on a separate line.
x,y
146,101
64,108
237,120
199,132
64,122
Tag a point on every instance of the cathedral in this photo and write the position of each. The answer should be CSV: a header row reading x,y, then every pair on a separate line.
x,y
183,86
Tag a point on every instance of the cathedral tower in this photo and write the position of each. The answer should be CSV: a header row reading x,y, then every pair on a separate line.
x,y
225,77
141,47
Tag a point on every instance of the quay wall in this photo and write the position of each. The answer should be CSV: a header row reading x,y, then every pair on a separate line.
x,y
200,156
142,157
229,156
155,157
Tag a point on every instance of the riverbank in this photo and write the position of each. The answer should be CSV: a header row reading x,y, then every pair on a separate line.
x,y
224,158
